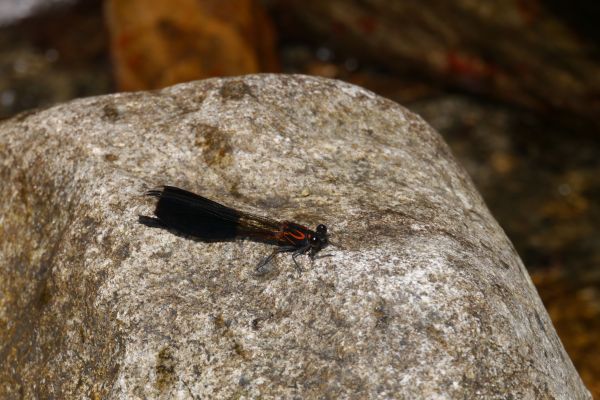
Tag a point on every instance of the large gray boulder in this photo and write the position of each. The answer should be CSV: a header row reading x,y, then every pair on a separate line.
x,y
423,296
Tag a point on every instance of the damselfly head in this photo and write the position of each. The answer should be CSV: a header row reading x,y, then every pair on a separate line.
x,y
319,240
322,229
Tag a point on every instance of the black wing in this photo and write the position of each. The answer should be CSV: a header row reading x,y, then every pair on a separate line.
x,y
198,216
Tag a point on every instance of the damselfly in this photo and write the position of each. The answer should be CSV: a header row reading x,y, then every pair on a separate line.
x,y
207,220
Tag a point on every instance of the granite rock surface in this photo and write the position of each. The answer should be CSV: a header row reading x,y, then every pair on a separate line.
x,y
422,296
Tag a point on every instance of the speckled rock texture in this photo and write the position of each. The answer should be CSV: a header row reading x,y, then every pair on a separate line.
x,y
423,297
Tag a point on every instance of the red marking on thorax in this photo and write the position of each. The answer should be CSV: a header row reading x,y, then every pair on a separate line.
x,y
299,235
293,234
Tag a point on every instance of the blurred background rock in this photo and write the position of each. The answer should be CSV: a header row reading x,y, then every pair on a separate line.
x,y
512,85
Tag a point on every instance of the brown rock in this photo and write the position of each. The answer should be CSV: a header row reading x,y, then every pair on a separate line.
x,y
157,43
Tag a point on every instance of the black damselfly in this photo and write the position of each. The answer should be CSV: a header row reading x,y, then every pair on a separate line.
x,y
207,220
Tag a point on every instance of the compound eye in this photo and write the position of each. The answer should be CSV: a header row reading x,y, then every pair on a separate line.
x,y
315,240
321,229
